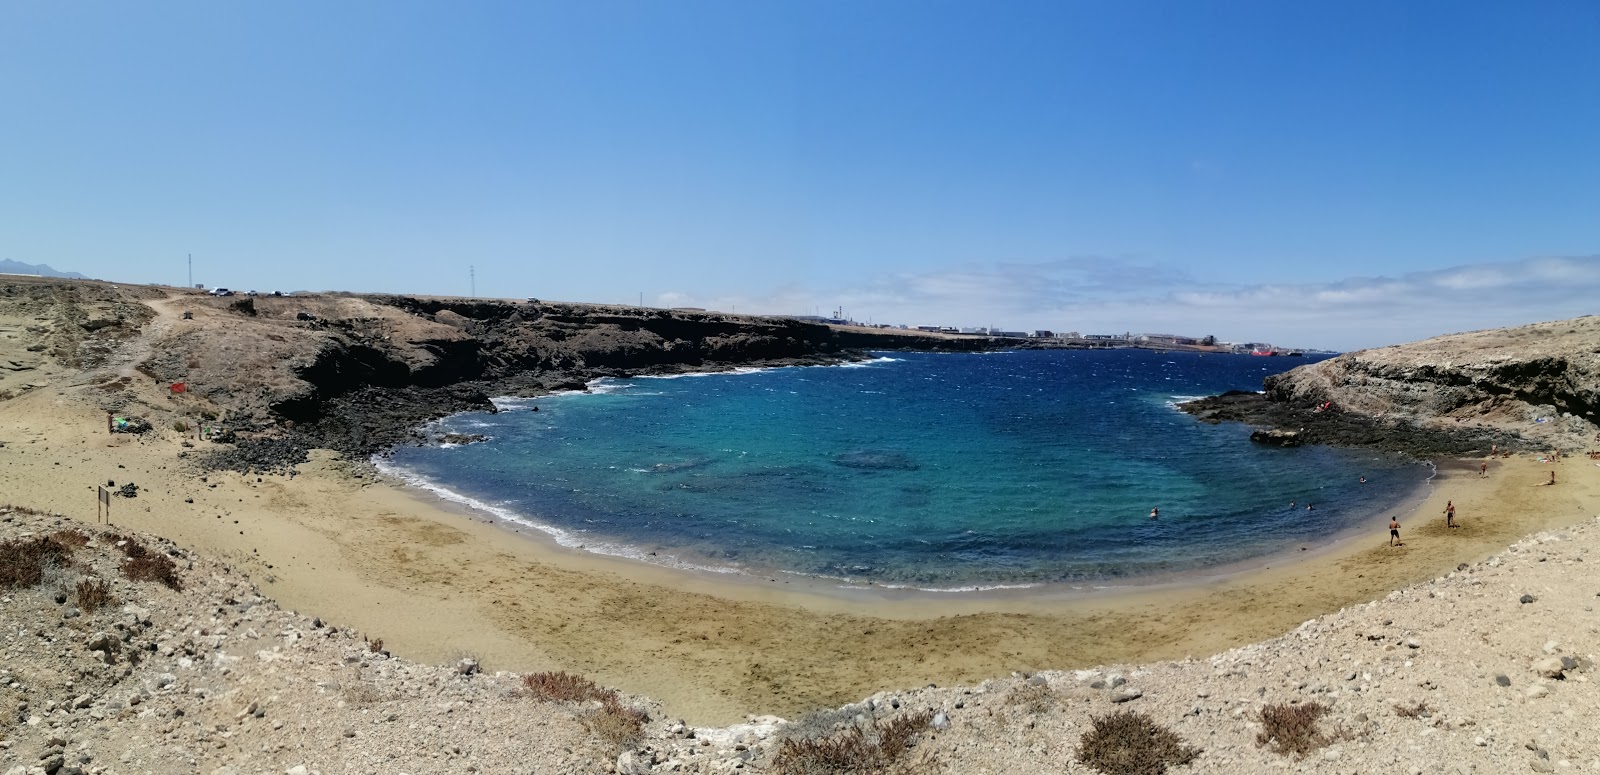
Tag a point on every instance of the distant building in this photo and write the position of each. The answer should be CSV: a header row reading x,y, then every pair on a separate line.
x,y
1043,334
930,329
1009,334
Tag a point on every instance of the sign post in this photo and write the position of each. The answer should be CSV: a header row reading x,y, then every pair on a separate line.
x,y
105,501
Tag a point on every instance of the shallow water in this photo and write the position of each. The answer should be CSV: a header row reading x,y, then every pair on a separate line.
x,y
925,470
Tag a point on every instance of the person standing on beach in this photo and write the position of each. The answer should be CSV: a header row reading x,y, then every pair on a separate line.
x,y
1394,532
1483,469
1449,514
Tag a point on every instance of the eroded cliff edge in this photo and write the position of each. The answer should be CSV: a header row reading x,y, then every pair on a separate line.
x,y
358,373
1528,387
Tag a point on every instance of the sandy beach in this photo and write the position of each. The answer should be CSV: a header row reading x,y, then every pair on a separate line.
x,y
435,582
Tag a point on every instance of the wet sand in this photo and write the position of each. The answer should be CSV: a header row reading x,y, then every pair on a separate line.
x,y
434,581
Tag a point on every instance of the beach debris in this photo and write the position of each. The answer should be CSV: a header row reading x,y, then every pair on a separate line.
x,y
130,425
129,490
1527,599
1502,680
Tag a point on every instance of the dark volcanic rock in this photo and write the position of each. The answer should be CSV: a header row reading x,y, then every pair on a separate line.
x,y
1337,428
257,456
1277,438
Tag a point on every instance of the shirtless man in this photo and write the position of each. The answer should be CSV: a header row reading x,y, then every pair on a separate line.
x,y
1394,532
1449,514
1155,513
1483,469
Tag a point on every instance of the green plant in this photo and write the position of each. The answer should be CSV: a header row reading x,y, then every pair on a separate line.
x,y
1293,729
1131,743
180,426
870,749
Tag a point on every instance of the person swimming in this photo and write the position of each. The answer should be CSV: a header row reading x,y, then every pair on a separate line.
x,y
1155,513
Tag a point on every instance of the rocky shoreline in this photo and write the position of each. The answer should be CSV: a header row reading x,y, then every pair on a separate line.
x,y
1287,424
1533,388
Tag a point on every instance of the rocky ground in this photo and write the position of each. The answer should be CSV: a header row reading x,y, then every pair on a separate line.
x,y
1534,387
1487,670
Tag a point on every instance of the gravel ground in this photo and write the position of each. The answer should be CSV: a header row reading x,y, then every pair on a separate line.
x,y
1494,664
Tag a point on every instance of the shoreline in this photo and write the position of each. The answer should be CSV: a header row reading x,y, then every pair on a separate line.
x,y
559,539
434,582
847,588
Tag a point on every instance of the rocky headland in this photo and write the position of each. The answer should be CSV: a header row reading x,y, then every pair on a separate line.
x,y
1534,387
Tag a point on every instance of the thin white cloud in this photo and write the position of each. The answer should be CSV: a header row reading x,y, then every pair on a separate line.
x,y
1115,295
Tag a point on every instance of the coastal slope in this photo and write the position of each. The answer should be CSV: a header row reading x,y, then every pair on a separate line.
x,y
1534,387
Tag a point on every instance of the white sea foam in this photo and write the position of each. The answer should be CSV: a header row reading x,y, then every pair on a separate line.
x,y
568,538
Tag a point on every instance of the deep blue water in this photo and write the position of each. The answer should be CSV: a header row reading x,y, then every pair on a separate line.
x,y
922,469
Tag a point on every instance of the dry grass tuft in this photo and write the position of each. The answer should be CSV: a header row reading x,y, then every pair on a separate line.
x,y
869,750
615,724
24,561
1131,743
1418,710
72,539
1034,699
93,595
564,687
144,565
1293,729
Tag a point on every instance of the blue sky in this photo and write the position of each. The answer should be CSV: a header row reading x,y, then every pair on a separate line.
x,y
1321,174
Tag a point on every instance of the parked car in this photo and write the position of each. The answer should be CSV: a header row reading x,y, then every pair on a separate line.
x,y
221,292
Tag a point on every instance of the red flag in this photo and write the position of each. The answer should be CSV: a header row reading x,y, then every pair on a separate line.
x,y
179,387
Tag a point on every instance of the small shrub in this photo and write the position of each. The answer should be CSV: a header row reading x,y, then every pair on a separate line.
x,y
875,748
92,595
615,724
565,687
24,562
375,646
1131,743
1293,729
181,426
144,565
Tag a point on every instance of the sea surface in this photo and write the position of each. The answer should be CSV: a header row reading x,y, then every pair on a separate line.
x,y
923,470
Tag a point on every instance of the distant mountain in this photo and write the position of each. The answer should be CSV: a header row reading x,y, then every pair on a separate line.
x,y
7,266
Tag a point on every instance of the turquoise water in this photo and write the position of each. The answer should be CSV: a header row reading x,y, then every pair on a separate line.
x,y
924,470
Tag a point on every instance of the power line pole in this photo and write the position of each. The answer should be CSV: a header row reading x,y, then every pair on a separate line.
x,y
191,270
472,277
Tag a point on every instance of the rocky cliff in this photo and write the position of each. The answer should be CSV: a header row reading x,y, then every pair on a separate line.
x,y
1535,386
358,372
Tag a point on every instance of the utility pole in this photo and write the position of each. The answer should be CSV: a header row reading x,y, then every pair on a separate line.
x,y
191,270
641,298
472,277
